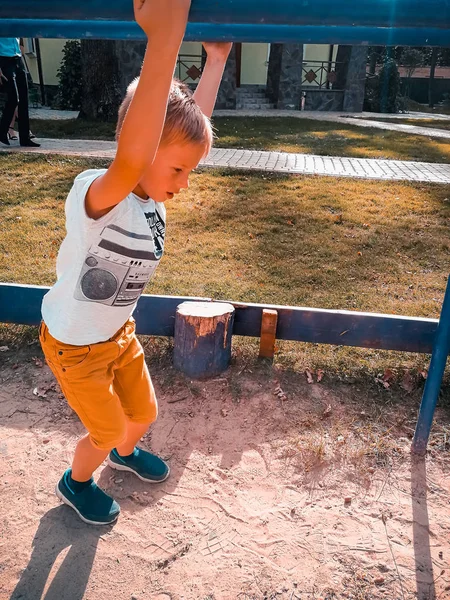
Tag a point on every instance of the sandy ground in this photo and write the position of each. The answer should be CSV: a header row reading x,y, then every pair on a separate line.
x,y
280,489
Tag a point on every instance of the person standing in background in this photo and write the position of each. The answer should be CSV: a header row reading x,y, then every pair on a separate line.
x,y
13,82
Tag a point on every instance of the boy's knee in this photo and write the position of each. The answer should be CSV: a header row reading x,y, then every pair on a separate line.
x,y
146,413
109,440
145,418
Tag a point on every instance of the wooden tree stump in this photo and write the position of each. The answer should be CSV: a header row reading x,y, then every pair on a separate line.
x,y
203,332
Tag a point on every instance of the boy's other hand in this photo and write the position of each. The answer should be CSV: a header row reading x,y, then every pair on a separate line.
x,y
162,18
218,50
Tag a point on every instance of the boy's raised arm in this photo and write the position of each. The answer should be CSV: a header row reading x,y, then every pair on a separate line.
x,y
164,22
216,57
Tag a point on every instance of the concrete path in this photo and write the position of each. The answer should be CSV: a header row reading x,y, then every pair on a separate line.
x,y
356,119
281,162
344,119
53,115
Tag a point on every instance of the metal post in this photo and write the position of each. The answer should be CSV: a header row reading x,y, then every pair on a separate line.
x,y
434,380
41,75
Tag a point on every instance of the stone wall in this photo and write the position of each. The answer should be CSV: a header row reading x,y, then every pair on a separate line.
x,y
324,100
273,72
284,77
130,55
226,97
356,80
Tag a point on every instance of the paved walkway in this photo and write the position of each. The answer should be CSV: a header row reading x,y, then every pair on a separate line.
x,y
356,119
282,162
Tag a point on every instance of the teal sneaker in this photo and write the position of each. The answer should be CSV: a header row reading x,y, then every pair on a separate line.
x,y
92,505
145,465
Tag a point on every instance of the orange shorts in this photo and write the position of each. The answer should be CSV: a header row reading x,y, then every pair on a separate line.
x,y
105,383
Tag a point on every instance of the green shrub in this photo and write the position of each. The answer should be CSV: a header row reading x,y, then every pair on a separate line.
x,y
70,77
383,90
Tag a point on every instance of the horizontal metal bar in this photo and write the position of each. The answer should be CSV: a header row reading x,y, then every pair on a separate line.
x,y
155,315
369,13
207,32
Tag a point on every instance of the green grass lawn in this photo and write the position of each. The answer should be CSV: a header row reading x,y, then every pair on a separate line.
x,y
252,237
284,134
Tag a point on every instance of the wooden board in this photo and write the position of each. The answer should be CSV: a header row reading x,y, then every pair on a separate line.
x,y
155,315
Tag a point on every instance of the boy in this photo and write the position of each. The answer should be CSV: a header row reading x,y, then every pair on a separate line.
x,y
115,221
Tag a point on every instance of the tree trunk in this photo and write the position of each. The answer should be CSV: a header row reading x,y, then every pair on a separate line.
x,y
101,80
434,59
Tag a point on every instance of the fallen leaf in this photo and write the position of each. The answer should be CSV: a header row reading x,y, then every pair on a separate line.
x,y
385,384
309,375
327,412
320,374
424,373
279,392
251,236
407,382
388,375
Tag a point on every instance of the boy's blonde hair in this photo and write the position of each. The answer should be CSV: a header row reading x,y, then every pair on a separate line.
x,y
184,122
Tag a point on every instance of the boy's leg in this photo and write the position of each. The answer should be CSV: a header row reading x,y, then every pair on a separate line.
x,y
87,459
85,376
134,388
134,433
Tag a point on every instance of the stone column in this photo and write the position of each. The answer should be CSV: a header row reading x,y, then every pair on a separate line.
x,y
226,97
355,85
273,72
284,77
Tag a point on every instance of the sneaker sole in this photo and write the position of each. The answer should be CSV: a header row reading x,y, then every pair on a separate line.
x,y
114,465
88,521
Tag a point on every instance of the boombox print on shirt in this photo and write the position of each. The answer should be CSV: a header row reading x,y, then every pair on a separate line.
x,y
120,263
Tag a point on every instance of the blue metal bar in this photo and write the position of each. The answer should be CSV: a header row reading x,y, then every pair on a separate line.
x,y
434,380
208,32
155,315
369,13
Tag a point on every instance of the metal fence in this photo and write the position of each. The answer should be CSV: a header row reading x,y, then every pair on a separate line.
x,y
321,74
189,67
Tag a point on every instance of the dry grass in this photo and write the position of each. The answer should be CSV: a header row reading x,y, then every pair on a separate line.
x,y
284,134
304,241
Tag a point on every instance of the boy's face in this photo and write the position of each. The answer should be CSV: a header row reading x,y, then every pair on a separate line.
x,y
169,172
